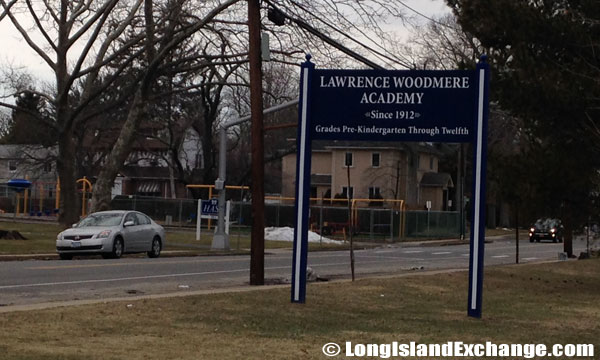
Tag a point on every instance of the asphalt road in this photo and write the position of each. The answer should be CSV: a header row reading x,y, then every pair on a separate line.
x,y
42,281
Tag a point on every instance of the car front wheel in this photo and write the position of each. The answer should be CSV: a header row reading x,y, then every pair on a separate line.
x,y
156,247
118,247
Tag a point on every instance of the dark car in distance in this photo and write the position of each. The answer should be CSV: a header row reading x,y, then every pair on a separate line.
x,y
546,229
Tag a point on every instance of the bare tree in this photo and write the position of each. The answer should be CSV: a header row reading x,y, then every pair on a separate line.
x,y
94,43
89,45
76,40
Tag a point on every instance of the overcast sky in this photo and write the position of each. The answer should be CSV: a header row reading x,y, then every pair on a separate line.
x,y
15,52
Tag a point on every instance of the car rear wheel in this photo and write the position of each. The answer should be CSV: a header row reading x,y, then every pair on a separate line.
x,y
156,247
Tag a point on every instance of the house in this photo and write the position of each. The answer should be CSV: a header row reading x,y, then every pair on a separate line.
x,y
145,172
34,163
388,170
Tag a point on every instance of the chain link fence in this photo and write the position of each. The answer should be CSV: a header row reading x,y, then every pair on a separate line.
x,y
370,223
375,223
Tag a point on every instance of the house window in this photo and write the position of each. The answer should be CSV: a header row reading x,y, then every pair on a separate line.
x,y
47,167
12,165
374,192
345,192
375,158
349,160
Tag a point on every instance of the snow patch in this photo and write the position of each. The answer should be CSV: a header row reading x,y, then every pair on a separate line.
x,y
287,234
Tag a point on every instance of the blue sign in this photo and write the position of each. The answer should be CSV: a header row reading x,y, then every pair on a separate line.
x,y
210,207
379,105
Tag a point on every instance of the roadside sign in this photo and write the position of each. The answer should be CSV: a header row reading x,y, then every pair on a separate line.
x,y
392,105
209,209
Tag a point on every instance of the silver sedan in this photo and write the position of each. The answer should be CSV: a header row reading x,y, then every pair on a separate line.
x,y
111,234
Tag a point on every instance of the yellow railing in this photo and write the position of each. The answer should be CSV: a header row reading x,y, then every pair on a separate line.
x,y
86,184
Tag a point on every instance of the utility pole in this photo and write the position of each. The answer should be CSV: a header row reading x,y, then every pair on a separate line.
x,y
257,239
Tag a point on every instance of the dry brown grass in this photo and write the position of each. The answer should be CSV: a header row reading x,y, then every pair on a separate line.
x,y
549,303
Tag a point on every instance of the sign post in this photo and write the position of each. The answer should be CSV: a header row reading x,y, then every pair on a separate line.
x,y
478,213
392,105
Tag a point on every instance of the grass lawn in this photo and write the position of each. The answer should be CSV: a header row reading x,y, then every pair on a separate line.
x,y
553,303
41,239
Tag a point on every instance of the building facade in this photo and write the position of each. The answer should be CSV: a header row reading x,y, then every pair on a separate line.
x,y
383,170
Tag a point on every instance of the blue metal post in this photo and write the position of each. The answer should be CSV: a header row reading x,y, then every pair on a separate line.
x,y
479,176
303,164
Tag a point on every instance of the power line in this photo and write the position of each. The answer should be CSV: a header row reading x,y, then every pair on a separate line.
x,y
390,57
304,25
424,16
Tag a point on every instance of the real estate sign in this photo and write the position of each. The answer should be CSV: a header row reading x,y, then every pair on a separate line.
x,y
392,105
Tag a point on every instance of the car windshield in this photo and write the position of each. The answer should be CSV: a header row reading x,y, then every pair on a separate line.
x,y
546,223
107,219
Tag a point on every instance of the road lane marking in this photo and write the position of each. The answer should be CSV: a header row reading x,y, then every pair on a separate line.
x,y
442,253
413,251
116,264
178,275
499,256
389,257
384,251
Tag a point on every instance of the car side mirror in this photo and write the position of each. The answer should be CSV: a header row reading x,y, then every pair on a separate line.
x,y
129,223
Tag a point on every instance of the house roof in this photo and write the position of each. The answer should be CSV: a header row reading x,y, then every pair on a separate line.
x,y
432,179
139,172
370,145
340,144
20,151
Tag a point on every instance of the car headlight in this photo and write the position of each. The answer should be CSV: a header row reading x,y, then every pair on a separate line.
x,y
59,236
104,234
553,230
532,229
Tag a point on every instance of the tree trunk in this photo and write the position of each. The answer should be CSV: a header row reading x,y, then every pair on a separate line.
x,y
172,182
102,188
68,209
